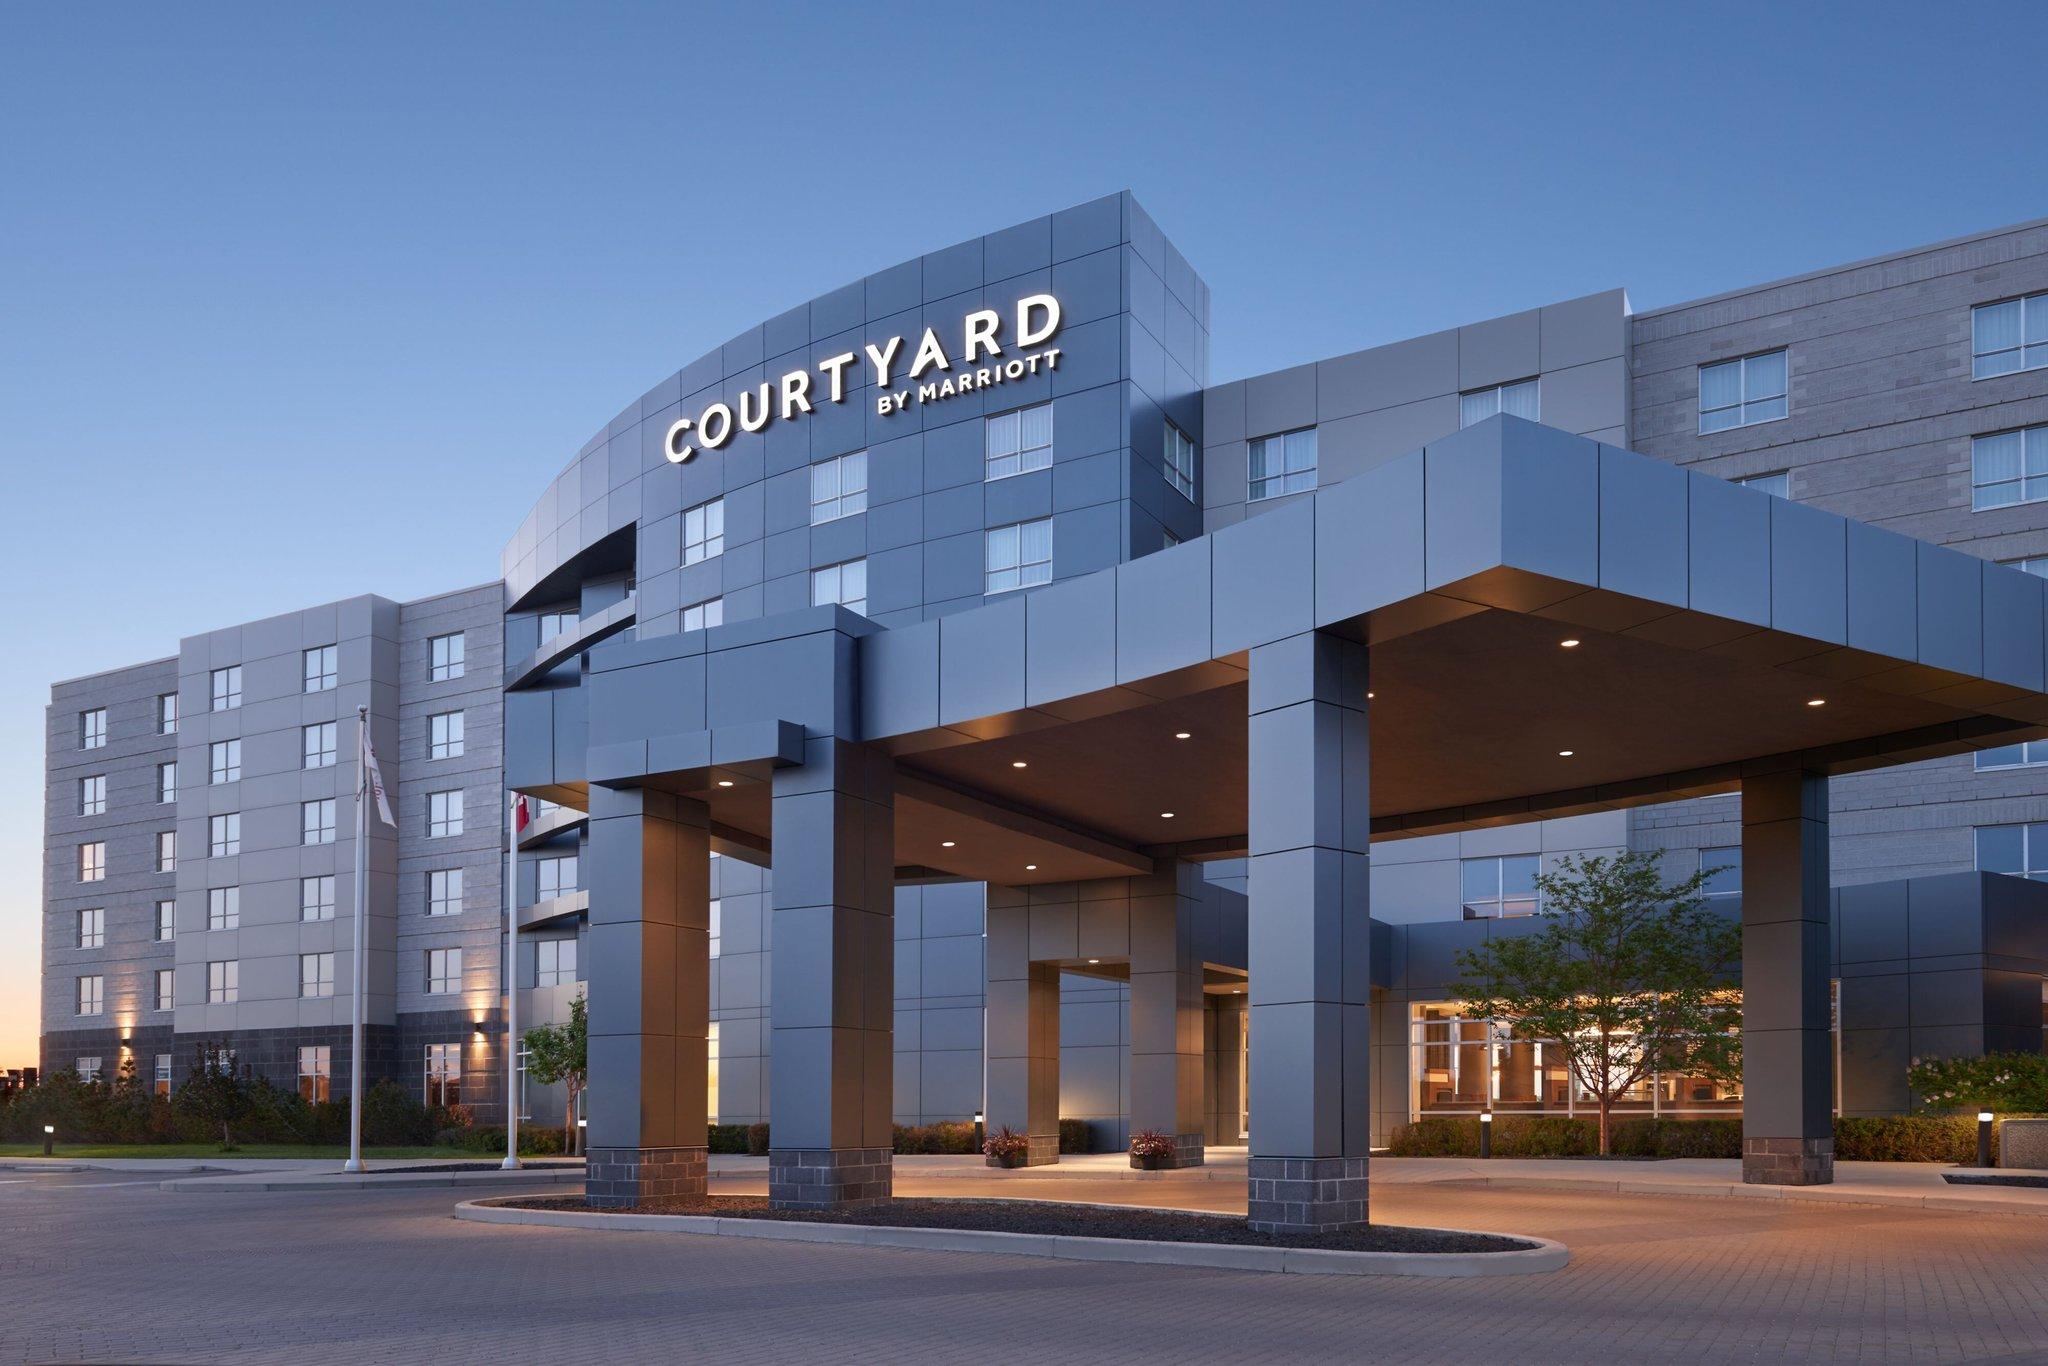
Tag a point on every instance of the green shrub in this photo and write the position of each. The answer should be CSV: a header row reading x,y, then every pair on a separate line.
x,y
1906,1138
955,1138
757,1140
393,1119
1639,1136
1568,1136
728,1138
1076,1136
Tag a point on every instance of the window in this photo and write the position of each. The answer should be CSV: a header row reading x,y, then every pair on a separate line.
x,y
444,971
320,668
2021,850
717,926
316,898
2024,755
839,487
163,1075
710,612
1519,399
444,814
553,624
224,761
1778,485
92,929
225,687
444,735
166,988
704,531
444,658
89,1069
554,963
1180,461
1723,867
1018,442
317,745
2008,468
1495,887
1017,556
167,851
444,1074
92,728
316,1071
1282,464
166,921
223,981
316,821
92,861
556,877
845,584
444,891
316,976
1736,393
167,713
2009,336
711,1072
224,835
223,908
91,994
167,782
92,795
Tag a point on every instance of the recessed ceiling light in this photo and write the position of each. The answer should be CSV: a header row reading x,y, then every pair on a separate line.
x,y
1564,754
1240,991
1816,702
1095,960
1166,815
1368,697
1182,734
946,844
725,782
1569,644
1018,763
1030,867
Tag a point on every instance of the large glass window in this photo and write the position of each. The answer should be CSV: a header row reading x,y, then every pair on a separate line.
x,y
2009,467
2008,336
223,981
1519,399
92,795
845,584
444,1074
2021,850
1013,443
839,487
321,668
1736,393
711,1073
224,688
224,761
444,658
316,976
1180,461
316,821
318,744
704,531
316,1072
1018,556
1723,867
555,876
92,861
316,898
223,908
1282,464
2026,754
92,728
1495,887
444,735
92,929
444,891
554,963
88,1068
444,971
444,814
698,615
224,834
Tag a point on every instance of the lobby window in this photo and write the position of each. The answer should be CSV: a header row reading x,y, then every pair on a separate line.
x,y
166,988
321,668
92,861
717,926
162,1080
1018,442
1737,393
845,584
1723,867
704,531
1017,556
444,658
316,1072
223,908
554,963
92,728
444,1074
444,814
2008,468
92,795
2009,335
166,921
444,891
839,487
92,929
698,615
317,744
167,851
444,971
224,835
1180,462
88,1069
553,624
316,976
2021,850
1282,464
555,877
91,995
167,713
1500,887
444,735
316,898
224,761
223,981
224,688
316,821
711,1073
1778,485
1519,399
167,782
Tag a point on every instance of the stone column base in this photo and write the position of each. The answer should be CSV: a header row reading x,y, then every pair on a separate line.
x,y
827,1178
1306,1194
1187,1152
1788,1161
619,1178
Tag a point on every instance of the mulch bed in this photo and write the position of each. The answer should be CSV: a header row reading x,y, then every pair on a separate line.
x,y
1061,1220
2034,1179
526,1162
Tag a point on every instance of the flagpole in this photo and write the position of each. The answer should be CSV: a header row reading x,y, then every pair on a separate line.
x,y
355,1059
511,981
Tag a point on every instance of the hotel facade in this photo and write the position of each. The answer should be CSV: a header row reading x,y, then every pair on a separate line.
x,y
944,690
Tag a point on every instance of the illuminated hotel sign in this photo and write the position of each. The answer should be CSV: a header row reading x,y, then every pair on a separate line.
x,y
932,374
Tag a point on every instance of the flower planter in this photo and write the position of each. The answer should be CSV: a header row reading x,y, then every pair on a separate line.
x,y
1150,1162
1011,1160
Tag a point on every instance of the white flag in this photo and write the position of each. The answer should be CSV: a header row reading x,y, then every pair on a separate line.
x,y
374,777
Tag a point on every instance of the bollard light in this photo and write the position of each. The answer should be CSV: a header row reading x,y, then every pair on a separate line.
x,y
1486,1133
979,1134
49,1138
1983,1138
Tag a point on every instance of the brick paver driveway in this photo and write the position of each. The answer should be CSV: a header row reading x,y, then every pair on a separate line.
x,y
93,1268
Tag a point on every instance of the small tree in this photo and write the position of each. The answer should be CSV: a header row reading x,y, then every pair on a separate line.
x,y
214,1093
1628,975
561,1053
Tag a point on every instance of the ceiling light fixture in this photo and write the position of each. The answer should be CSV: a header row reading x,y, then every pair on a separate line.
x,y
1183,734
1030,867
1564,754
946,844
1572,644
1166,815
1018,763
1095,960
725,782
1369,697
1816,702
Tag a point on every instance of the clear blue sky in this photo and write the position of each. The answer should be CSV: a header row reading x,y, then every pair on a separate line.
x,y
302,302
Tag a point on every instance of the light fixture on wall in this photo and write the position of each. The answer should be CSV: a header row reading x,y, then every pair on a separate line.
x,y
480,1030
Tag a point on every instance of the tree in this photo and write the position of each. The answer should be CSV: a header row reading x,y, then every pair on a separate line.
x,y
214,1092
1628,975
561,1053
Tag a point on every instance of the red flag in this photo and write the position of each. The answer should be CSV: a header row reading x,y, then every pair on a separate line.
x,y
521,818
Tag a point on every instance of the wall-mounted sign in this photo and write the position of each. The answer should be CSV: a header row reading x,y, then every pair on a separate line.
x,y
984,358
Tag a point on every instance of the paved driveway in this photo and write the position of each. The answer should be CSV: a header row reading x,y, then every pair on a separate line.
x,y
94,1267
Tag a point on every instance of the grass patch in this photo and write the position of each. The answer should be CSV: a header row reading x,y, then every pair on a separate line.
x,y
338,1152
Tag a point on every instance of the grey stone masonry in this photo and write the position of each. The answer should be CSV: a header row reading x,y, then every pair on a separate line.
x,y
1306,1194
828,1178
619,1178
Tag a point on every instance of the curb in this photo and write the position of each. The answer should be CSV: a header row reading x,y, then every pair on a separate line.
x,y
1545,1257
353,1181
1818,1195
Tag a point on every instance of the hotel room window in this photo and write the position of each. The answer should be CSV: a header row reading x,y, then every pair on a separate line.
x,y
223,982
444,735
317,744
166,783
1741,392
1180,462
704,531
845,584
555,877
92,795
444,971
1282,464
91,995
710,612
2008,468
444,891
167,851
167,713
224,761
1017,442
1519,399
166,921
1498,887
316,898
316,821
224,688
444,658
2009,335
321,668
444,814
92,929
839,487
92,728
224,835
223,908
166,988
1018,556
92,861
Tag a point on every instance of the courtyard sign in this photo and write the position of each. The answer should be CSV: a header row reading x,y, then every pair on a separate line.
x,y
981,360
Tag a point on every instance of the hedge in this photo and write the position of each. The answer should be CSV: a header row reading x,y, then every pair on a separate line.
x,y
955,1137
1890,1138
